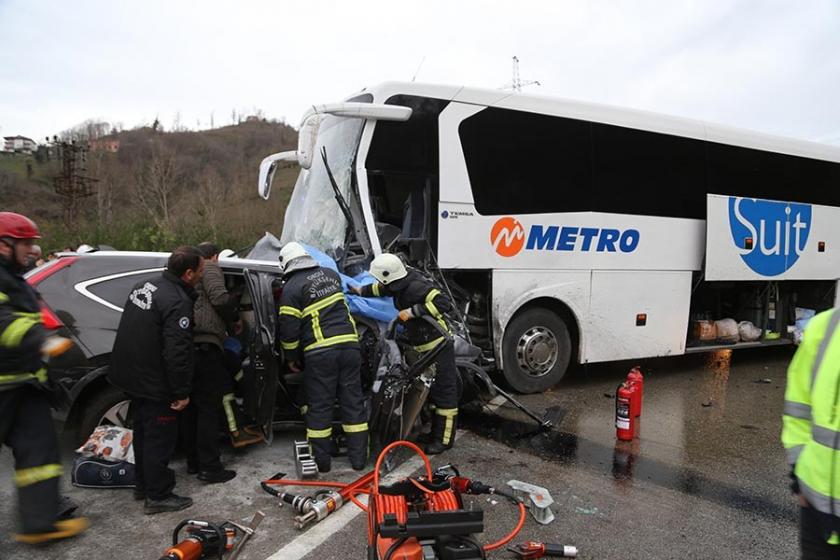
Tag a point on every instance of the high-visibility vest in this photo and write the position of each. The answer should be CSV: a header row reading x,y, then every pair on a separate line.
x,y
811,421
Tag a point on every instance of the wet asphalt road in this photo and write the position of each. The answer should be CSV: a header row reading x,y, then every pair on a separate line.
x,y
706,478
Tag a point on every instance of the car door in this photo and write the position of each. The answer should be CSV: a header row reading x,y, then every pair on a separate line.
x,y
262,391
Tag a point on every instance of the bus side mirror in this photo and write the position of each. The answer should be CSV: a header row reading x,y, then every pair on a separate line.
x,y
307,138
267,168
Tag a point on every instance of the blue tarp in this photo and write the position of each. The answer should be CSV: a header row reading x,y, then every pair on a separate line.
x,y
378,309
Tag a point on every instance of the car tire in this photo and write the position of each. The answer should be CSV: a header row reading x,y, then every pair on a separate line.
x,y
109,406
536,350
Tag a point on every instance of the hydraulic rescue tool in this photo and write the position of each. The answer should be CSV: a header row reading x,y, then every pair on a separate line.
x,y
203,540
316,508
416,518
530,550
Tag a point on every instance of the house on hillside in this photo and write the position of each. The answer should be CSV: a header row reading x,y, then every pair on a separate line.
x,y
20,144
105,144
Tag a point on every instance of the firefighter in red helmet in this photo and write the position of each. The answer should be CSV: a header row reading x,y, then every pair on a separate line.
x,y
25,419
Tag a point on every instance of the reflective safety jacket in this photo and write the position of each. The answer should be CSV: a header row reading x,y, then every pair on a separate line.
x,y
811,422
313,313
21,331
418,293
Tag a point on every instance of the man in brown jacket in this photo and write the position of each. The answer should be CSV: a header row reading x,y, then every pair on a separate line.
x,y
215,308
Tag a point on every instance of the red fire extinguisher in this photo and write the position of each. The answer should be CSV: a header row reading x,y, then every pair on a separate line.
x,y
636,378
625,421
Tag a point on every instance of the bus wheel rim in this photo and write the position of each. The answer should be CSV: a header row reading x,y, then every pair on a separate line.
x,y
537,351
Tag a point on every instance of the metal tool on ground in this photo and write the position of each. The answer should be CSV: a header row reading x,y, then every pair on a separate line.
x,y
202,540
300,504
247,532
305,464
539,500
316,508
531,550
544,423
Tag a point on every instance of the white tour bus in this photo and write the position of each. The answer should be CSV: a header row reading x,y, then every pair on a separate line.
x,y
568,230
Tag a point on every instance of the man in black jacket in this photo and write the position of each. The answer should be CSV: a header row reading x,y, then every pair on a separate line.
x,y
215,309
315,323
25,420
153,361
415,296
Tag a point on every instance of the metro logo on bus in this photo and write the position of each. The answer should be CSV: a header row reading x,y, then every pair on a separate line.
x,y
769,235
507,236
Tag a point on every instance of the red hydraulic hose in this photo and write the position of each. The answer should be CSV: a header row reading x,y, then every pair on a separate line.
x,y
512,535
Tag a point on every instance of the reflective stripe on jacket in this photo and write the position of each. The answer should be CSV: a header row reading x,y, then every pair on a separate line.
x,y
313,313
423,297
21,330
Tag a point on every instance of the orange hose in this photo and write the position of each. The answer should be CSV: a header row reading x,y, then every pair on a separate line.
x,y
291,482
512,535
363,486
421,487
394,445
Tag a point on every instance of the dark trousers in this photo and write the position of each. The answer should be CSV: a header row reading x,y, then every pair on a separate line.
x,y
327,375
201,419
26,426
444,391
155,439
813,533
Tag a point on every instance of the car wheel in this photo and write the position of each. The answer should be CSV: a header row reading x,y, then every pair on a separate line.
x,y
108,407
536,350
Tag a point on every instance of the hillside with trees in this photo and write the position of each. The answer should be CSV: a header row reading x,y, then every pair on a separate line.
x,y
158,189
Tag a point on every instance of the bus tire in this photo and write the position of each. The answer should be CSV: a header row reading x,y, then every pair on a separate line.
x,y
536,350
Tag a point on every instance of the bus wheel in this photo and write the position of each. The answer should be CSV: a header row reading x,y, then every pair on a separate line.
x,y
537,349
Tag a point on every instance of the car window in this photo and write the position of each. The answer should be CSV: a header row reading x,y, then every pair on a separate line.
x,y
116,290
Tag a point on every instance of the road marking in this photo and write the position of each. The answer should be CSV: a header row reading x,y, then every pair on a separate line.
x,y
320,532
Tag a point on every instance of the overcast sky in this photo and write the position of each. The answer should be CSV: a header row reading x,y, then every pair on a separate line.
x,y
767,65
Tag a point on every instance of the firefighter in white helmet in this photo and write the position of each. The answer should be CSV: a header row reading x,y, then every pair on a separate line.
x,y
416,296
318,335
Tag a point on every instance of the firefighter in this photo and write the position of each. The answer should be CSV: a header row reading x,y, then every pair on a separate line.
x,y
25,420
811,435
416,296
318,335
153,361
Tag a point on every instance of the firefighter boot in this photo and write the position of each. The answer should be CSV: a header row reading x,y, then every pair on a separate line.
x,y
63,529
443,431
357,448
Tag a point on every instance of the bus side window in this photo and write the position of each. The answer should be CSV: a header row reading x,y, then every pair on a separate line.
x,y
525,163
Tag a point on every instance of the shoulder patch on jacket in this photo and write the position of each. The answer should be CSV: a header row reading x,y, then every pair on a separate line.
x,y
184,322
142,297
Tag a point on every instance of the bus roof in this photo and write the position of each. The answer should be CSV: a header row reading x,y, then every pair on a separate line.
x,y
608,114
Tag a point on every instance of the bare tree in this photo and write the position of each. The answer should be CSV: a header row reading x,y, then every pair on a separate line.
x,y
212,191
155,183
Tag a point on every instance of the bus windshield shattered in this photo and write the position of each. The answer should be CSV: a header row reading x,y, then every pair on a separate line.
x,y
314,216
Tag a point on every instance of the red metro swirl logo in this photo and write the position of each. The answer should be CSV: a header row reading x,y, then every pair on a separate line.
x,y
507,236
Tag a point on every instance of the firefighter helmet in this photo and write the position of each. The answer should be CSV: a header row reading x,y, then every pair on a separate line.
x,y
18,226
291,251
387,268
